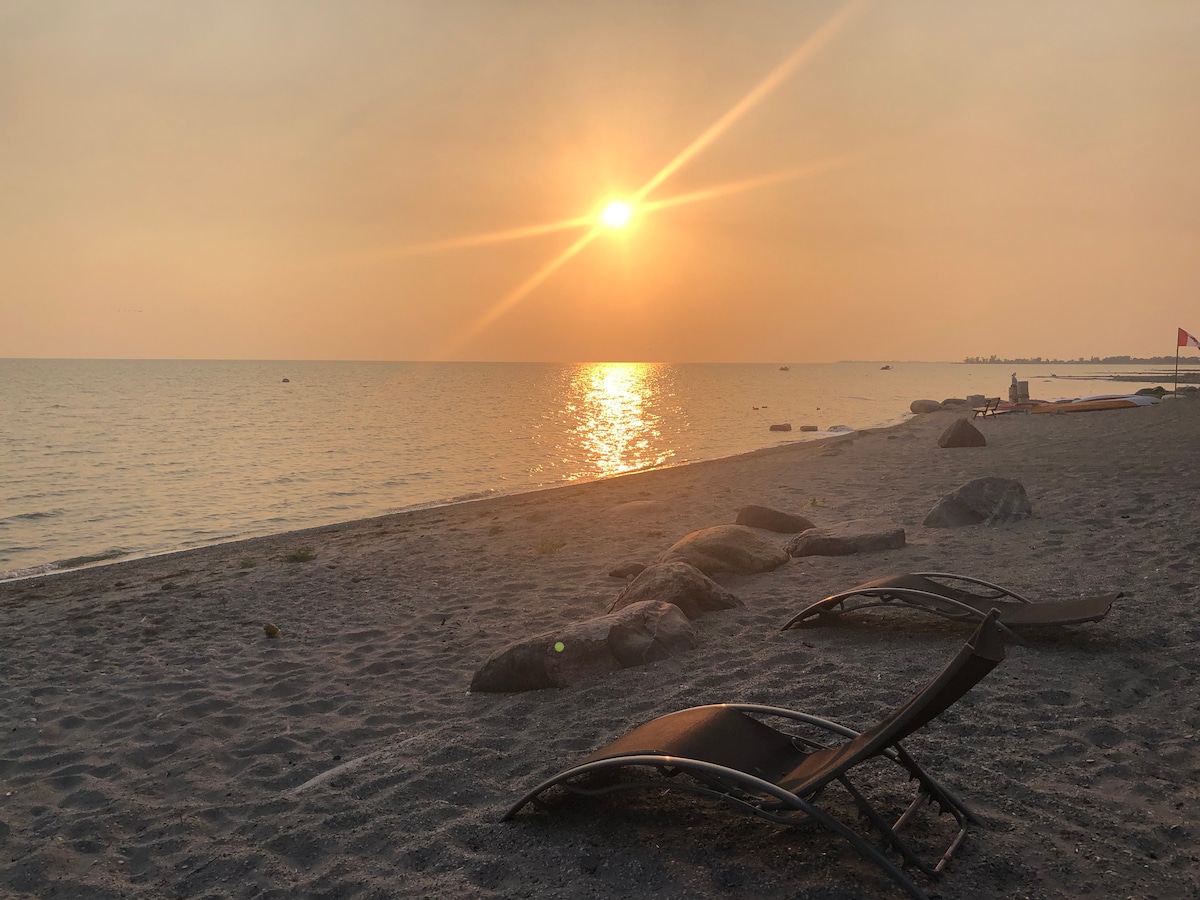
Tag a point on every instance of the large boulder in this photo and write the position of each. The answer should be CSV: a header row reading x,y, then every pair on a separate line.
x,y
727,548
961,433
678,583
772,520
638,634
984,501
924,406
847,538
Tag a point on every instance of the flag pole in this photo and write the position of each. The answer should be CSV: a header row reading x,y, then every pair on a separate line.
x,y
1176,391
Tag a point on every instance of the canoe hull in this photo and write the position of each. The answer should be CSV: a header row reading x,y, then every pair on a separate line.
x,y
1087,405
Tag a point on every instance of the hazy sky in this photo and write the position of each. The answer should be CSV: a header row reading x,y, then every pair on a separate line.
x,y
241,179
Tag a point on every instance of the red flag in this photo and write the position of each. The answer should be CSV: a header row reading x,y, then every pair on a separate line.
x,y
1186,340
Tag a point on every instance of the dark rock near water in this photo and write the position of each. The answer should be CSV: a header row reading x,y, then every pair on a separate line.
x,y
727,548
984,501
808,427
961,433
782,427
772,520
847,538
924,406
678,583
638,634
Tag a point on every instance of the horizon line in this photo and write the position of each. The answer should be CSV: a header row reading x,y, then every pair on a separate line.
x,y
1133,360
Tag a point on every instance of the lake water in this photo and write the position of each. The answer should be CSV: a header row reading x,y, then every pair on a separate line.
x,y
106,459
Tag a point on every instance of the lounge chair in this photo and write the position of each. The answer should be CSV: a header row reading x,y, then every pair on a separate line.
x,y
963,598
731,755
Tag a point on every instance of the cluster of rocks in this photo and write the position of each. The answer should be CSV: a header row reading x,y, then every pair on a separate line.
x,y
787,426
651,619
928,406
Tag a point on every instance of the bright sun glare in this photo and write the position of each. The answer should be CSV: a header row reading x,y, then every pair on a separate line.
x,y
616,214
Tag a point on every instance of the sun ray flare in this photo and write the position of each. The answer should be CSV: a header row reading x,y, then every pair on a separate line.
x,y
492,237
801,55
607,218
737,187
517,294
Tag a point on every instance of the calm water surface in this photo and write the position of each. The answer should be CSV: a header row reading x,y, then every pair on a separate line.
x,y
103,459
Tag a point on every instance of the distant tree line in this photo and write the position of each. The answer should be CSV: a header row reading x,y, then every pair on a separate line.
x,y
1094,361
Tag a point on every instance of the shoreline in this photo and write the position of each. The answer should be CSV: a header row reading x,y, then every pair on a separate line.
x,y
96,498
475,497
159,743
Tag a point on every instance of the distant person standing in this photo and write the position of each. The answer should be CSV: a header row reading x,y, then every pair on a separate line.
x,y
1014,391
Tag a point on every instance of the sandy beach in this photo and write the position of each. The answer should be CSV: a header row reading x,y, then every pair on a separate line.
x,y
157,743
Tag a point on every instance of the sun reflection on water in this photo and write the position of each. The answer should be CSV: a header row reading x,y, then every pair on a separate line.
x,y
616,426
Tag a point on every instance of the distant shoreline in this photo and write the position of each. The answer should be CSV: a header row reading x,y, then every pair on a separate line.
x,y
1094,361
1184,377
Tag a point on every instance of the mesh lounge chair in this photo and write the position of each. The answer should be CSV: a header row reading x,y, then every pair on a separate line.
x,y
727,753
963,598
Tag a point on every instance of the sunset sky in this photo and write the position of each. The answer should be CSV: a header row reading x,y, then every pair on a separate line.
x,y
275,179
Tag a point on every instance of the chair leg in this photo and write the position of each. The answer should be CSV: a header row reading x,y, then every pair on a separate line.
x,y
930,790
866,849
888,831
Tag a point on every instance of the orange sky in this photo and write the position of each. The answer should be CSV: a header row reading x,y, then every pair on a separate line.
x,y
242,180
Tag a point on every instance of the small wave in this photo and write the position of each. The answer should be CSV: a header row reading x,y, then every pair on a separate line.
x,y
27,572
31,516
75,562
474,495
450,501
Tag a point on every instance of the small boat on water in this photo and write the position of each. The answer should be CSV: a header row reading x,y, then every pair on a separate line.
x,y
884,368
783,369
1091,404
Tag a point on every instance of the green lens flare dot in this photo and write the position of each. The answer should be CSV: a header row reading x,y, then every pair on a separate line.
x,y
560,646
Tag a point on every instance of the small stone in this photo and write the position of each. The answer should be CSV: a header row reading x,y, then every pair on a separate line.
x,y
272,631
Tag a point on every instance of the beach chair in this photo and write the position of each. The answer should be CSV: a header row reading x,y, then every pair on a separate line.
x,y
955,597
990,405
725,752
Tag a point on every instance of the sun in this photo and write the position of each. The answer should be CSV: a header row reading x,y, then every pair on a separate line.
x,y
616,214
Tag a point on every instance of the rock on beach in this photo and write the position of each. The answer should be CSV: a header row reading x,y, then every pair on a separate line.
x,y
727,548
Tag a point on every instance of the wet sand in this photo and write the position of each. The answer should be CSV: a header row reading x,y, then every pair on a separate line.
x,y
157,743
